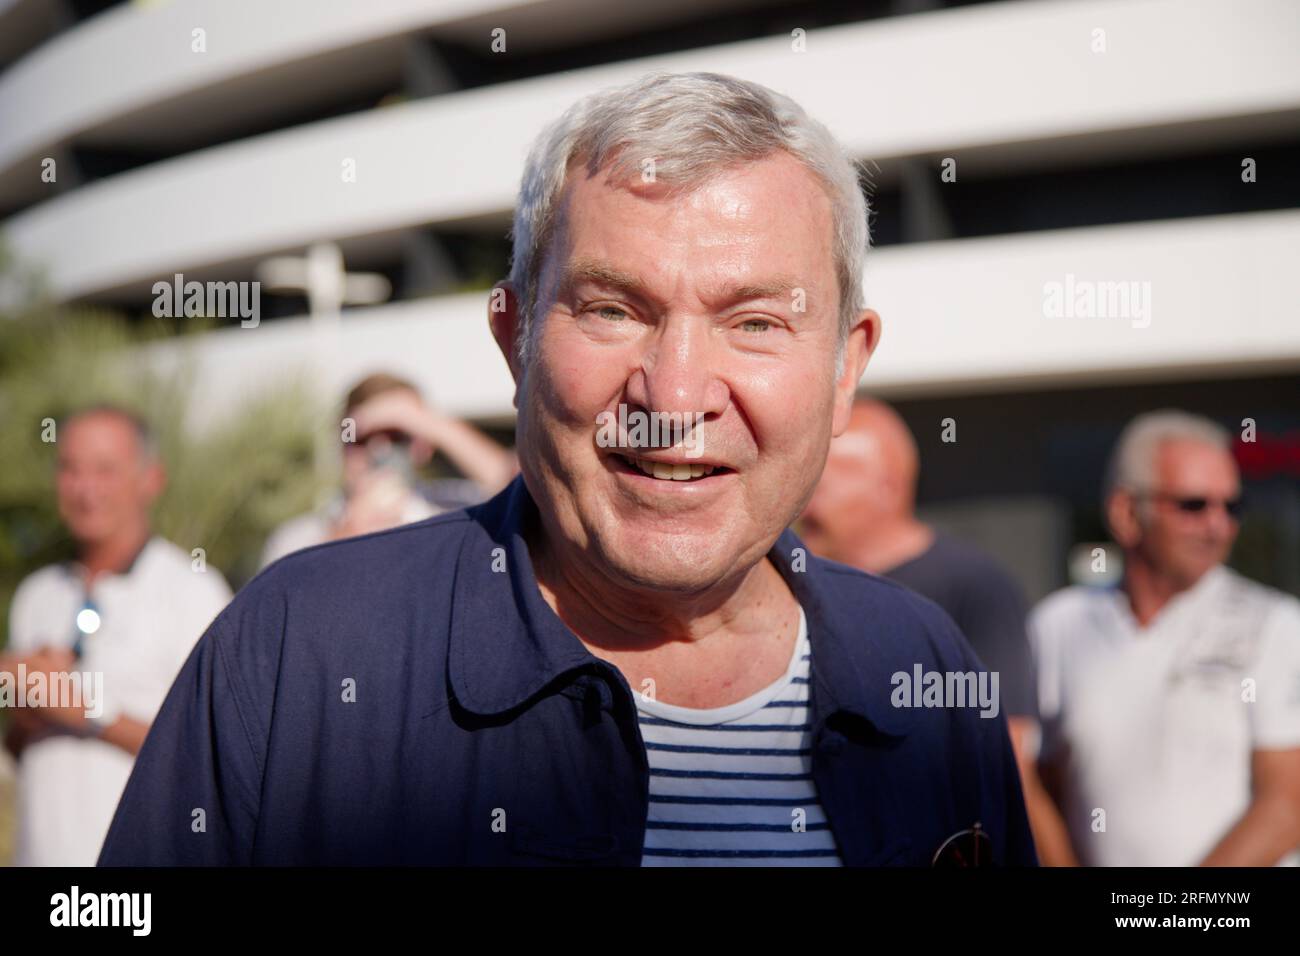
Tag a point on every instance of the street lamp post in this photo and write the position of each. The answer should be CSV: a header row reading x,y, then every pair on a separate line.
x,y
328,287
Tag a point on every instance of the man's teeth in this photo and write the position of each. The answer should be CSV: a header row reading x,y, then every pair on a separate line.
x,y
678,472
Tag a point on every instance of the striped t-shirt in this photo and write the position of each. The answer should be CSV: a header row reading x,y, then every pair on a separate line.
x,y
732,786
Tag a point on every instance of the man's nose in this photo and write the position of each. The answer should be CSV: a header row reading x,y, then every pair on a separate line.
x,y
1220,520
680,371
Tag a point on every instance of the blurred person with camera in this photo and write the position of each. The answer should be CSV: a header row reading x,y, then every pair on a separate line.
x,y
396,433
1171,703
124,615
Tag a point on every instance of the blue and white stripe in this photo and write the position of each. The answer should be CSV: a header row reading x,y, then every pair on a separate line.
x,y
728,784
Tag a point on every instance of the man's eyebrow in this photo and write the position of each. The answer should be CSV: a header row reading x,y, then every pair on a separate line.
x,y
776,288
592,270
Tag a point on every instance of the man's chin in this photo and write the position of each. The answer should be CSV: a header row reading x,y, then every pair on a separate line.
x,y
1192,573
91,533
680,564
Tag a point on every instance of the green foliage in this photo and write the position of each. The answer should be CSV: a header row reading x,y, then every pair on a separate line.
x,y
228,486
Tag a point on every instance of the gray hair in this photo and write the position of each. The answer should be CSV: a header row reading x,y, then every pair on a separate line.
x,y
146,439
693,125
1133,462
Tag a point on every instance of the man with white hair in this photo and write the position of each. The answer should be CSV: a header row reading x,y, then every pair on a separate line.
x,y
625,657
123,616
1171,703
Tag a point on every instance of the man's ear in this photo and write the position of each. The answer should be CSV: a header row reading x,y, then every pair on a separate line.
x,y
861,343
1122,518
505,320
155,481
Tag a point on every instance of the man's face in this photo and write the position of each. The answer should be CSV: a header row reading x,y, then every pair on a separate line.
x,y
1186,544
384,438
104,484
721,303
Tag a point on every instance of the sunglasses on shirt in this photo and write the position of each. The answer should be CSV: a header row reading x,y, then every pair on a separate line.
x,y
972,847
86,622
1195,505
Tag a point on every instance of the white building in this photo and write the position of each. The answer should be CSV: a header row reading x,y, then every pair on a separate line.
x,y
1138,148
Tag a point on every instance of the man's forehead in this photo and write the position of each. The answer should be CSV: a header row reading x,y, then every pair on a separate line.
x,y
1189,460
757,230
104,425
101,431
775,195
629,278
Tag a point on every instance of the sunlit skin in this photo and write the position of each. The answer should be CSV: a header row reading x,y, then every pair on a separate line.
x,y
379,497
1168,550
683,304
862,510
105,485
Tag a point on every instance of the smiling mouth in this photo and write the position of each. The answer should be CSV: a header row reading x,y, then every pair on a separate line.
x,y
669,471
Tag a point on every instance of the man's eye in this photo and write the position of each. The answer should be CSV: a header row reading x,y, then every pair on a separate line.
x,y
611,312
756,325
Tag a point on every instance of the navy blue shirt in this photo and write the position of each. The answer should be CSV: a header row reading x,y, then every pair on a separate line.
x,y
409,697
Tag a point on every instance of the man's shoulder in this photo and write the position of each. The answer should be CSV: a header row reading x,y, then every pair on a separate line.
x,y
1069,611
1236,585
32,596
897,619
44,577
389,557
857,586
970,567
179,571
341,599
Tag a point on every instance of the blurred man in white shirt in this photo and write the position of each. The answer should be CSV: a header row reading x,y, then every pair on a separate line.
x,y
130,608
1171,704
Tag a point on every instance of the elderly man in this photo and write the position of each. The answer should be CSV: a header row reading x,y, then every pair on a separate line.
x,y
1171,704
127,612
623,658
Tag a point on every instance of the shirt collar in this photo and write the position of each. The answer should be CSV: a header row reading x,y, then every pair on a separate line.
x,y
1206,586
77,570
853,658
506,643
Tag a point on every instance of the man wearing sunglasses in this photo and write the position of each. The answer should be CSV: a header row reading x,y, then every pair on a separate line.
x,y
124,614
395,433
1171,704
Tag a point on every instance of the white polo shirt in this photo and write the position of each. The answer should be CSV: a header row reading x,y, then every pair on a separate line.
x,y
151,617
1154,727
